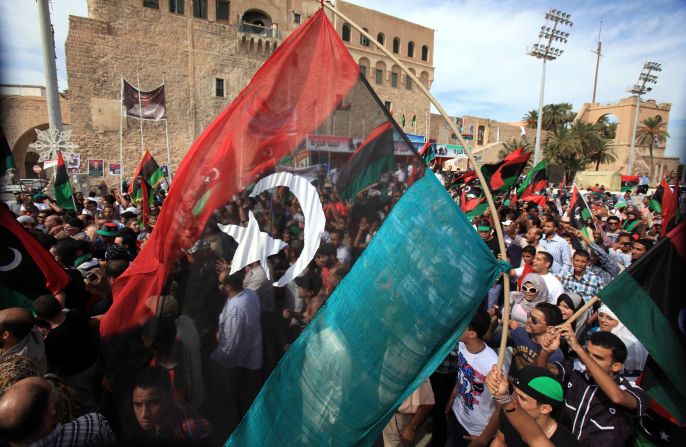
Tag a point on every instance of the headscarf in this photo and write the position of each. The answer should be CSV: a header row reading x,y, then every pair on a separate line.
x,y
637,355
575,302
541,293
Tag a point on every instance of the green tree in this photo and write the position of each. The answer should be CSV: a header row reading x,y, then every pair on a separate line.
x,y
513,145
556,115
602,153
531,119
652,130
563,147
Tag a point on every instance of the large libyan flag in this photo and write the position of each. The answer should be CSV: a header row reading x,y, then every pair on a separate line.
x,y
648,297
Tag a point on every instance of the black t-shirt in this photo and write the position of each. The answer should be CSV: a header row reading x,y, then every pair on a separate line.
x,y
69,347
561,438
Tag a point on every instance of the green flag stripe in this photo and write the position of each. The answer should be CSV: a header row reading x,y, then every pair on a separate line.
x,y
63,196
637,310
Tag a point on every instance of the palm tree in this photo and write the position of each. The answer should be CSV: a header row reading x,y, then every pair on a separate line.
x,y
531,119
513,145
604,152
564,147
556,115
652,131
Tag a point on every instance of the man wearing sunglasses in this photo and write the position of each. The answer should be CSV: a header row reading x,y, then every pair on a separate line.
x,y
621,253
525,341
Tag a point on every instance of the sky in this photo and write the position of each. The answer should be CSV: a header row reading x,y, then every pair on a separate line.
x,y
482,68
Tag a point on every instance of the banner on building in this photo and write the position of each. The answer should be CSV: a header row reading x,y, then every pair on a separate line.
x,y
114,168
150,105
96,168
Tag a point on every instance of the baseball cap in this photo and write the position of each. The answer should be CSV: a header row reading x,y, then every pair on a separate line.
x,y
108,229
540,384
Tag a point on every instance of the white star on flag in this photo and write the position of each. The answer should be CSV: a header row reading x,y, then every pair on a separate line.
x,y
253,245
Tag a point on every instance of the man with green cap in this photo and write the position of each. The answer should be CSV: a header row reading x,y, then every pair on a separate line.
x,y
529,414
602,408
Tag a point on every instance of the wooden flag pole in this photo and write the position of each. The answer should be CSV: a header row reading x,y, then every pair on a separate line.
x,y
582,309
482,180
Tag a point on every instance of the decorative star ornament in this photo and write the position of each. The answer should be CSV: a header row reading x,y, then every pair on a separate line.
x,y
253,245
52,140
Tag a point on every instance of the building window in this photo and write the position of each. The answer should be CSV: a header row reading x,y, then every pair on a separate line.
x,y
394,80
363,70
408,83
410,49
345,34
223,7
381,38
396,45
297,18
379,76
425,53
176,6
388,105
363,39
219,87
151,4
480,135
200,9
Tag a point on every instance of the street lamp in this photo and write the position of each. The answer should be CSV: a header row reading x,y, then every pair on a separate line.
x,y
638,90
545,51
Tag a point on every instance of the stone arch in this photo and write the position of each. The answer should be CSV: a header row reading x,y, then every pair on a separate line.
x,y
380,65
424,77
610,123
396,45
425,53
396,73
345,33
257,18
21,151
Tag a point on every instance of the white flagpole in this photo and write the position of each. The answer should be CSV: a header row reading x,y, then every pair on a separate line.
x,y
121,137
140,111
166,132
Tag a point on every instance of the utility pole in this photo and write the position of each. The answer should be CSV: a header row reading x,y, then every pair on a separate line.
x,y
48,41
637,90
546,52
598,53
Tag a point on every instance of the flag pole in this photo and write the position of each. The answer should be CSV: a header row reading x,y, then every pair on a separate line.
x,y
582,309
140,111
482,180
166,134
121,136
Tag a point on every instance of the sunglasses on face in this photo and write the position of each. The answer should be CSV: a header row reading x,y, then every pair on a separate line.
x,y
533,319
530,289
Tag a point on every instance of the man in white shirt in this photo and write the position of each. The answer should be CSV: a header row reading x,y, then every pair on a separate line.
x,y
541,266
472,414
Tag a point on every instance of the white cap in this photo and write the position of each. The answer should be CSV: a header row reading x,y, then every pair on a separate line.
x,y
132,210
507,223
26,219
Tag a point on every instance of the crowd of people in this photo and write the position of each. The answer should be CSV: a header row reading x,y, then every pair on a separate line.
x,y
217,336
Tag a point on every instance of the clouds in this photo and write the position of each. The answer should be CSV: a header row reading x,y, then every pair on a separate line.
x,y
480,51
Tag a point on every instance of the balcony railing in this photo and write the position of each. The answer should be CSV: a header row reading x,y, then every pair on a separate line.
x,y
259,30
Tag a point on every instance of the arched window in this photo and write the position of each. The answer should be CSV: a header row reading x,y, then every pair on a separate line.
x,y
363,39
380,73
364,66
425,53
396,45
381,38
410,49
345,34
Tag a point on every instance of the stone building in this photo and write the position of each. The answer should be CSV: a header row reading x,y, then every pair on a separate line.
x,y
622,112
206,51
